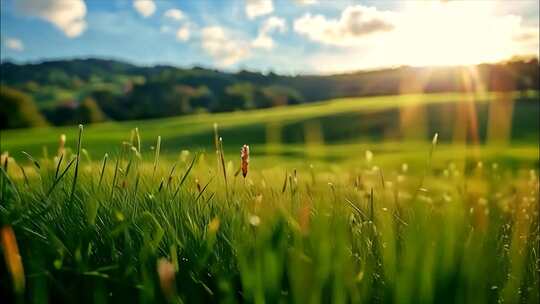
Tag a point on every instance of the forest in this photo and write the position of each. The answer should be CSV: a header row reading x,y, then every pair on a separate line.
x,y
67,92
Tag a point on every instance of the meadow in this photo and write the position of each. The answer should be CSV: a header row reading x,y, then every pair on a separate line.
x,y
429,198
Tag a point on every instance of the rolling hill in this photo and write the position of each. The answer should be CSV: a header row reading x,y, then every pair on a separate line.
x,y
329,125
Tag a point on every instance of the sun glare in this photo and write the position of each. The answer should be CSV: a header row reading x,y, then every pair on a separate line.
x,y
456,33
439,33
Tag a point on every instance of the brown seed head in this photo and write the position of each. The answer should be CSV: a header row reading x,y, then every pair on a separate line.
x,y
244,156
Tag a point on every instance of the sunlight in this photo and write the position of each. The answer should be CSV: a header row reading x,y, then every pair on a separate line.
x,y
437,34
456,33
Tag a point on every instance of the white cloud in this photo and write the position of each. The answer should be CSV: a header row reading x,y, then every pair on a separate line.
x,y
306,2
526,35
263,42
527,40
355,22
175,14
14,44
67,15
427,34
256,8
272,24
183,33
219,44
145,8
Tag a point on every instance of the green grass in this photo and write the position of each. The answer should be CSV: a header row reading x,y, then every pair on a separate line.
x,y
311,223
352,120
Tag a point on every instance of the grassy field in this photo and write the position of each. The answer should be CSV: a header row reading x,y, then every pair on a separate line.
x,y
343,121
344,203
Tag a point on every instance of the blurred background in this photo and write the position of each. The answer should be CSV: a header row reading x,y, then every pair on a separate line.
x,y
291,77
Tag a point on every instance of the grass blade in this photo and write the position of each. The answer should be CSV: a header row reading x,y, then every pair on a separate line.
x,y
203,189
114,176
185,176
58,165
188,170
77,159
56,181
24,175
103,169
33,160
156,155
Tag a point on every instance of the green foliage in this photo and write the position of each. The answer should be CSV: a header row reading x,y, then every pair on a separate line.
x,y
239,96
282,95
127,92
342,232
106,100
89,112
248,96
72,112
17,110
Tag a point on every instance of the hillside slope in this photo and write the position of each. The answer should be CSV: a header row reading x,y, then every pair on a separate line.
x,y
350,120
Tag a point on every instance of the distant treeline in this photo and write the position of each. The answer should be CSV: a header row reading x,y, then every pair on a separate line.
x,y
92,90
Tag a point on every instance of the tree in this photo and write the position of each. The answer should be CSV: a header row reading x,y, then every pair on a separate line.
x,y
203,100
238,96
282,96
109,103
72,112
90,112
18,110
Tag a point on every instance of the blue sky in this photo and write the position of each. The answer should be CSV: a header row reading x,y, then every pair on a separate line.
x,y
285,36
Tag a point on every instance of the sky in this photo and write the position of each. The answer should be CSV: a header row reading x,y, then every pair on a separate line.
x,y
283,36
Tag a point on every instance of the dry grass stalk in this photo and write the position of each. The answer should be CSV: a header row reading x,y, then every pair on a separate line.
x,y
222,160
244,156
156,155
220,156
